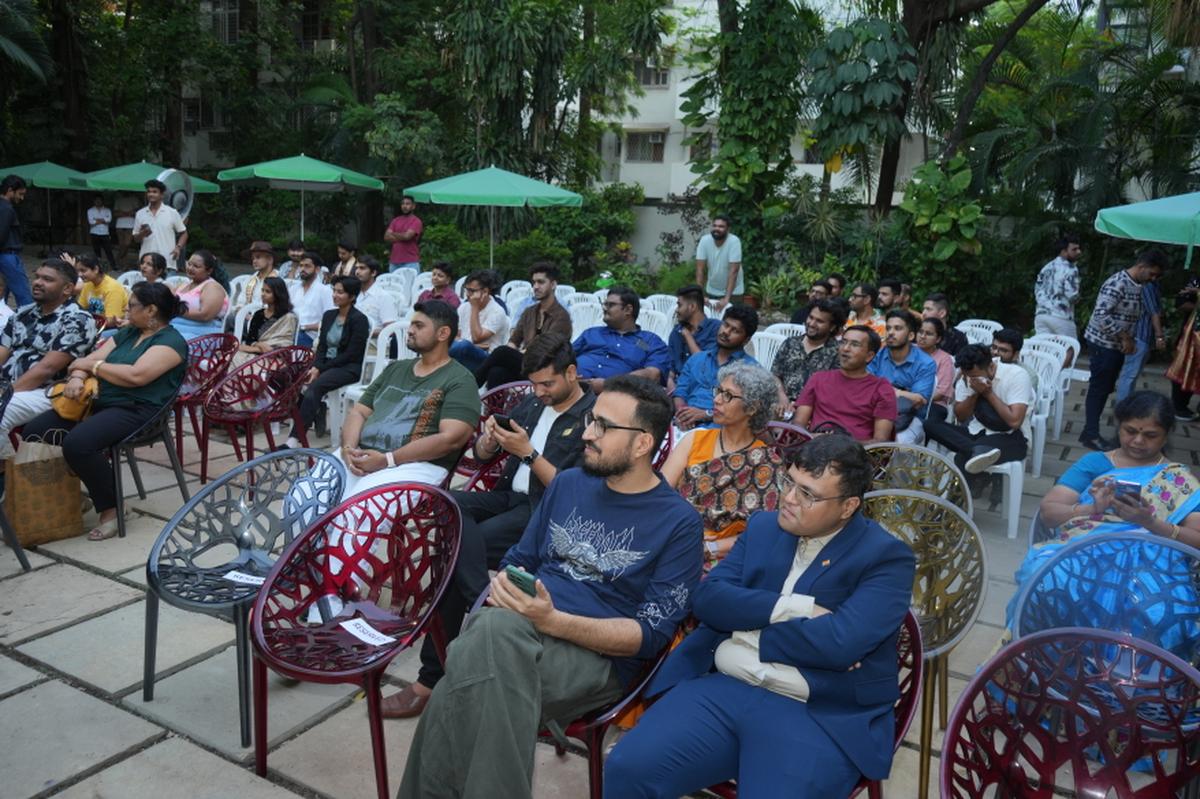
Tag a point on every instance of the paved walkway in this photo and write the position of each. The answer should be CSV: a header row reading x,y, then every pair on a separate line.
x,y
73,723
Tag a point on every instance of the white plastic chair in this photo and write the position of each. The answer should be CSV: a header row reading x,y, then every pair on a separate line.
x,y
237,289
176,282
655,322
458,284
1047,368
127,279
584,315
582,299
399,298
514,284
713,313
766,346
402,277
785,329
663,303
515,298
601,294
562,292
979,331
422,282
241,322
1014,485
1068,374
1062,377
339,401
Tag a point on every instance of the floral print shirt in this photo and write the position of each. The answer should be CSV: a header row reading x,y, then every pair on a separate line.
x,y
793,366
1057,289
29,336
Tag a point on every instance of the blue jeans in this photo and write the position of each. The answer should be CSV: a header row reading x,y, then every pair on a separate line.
x,y
407,265
1105,366
14,276
468,354
1132,369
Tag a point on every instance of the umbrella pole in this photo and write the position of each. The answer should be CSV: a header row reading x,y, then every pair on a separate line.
x,y
302,215
492,237
49,226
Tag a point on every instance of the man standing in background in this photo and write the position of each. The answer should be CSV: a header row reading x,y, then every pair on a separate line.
x,y
1057,291
12,194
404,233
157,225
720,254
99,219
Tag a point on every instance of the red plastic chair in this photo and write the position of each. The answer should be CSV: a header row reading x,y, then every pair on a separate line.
x,y
500,399
488,474
1076,712
912,667
664,449
208,360
787,436
403,542
264,390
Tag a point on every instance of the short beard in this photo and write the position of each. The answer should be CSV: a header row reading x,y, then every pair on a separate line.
x,y
719,236
605,470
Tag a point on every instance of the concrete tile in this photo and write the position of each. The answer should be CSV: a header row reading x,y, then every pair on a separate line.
x,y
975,648
161,504
406,665
906,772
175,769
954,689
999,592
115,554
555,776
201,702
86,650
9,565
154,476
1005,554
53,597
137,574
61,733
13,675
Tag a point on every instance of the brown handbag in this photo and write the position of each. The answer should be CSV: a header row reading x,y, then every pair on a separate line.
x,y
73,410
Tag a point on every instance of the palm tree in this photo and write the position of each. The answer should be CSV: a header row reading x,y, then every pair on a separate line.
x,y
23,53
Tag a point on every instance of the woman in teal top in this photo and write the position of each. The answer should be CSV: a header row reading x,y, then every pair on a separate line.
x,y
139,369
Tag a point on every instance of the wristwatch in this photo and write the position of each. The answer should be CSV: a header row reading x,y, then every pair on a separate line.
x,y
530,458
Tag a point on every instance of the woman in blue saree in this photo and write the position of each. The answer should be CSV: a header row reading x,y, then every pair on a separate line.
x,y
1086,499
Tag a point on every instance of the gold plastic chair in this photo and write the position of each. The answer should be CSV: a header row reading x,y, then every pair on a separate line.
x,y
948,589
912,468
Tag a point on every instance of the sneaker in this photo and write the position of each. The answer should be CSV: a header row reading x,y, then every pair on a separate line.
x,y
1099,443
1185,415
981,460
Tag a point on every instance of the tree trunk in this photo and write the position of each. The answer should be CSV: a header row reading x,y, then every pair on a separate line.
x,y
584,127
727,14
72,74
370,38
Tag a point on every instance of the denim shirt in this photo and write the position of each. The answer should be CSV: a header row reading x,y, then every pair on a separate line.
x,y
917,373
699,377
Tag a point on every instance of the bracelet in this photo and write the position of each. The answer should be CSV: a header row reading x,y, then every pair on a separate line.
x,y
1175,532
391,459
96,369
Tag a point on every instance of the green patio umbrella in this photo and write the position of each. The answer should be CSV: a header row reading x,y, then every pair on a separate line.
x,y
48,175
133,177
301,173
1169,220
493,187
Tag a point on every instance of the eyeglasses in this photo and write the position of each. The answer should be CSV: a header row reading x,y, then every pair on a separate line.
x,y
859,296
603,425
807,498
469,292
613,304
724,395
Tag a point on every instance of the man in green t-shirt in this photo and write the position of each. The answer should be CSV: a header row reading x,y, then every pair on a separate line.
x,y
416,416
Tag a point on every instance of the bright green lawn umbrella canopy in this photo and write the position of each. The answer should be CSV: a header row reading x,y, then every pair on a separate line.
x,y
48,175
493,186
1169,220
133,177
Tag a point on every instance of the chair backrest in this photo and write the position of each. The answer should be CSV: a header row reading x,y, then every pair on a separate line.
x,y
655,322
713,313
583,298
508,287
1039,531
1047,368
562,292
458,284
421,282
500,399
785,329
663,303
176,282
237,289
514,299
1124,582
127,279
951,571
241,322
1071,344
394,279
601,294
240,520
584,315
787,436
387,554
1075,712
399,297
766,347
268,383
208,359
487,475
916,468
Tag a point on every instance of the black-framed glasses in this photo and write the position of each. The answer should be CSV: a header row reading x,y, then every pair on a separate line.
x,y
613,304
603,425
724,395
806,497
858,295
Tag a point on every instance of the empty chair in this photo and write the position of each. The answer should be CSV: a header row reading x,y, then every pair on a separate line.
x,y
582,298
914,468
514,284
979,331
655,322
1047,368
765,346
208,359
1068,373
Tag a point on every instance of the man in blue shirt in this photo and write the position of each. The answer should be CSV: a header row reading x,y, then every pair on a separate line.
x,y
694,389
694,332
619,346
616,553
1147,335
911,372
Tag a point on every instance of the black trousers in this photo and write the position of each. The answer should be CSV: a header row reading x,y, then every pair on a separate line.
x,y
502,365
956,438
492,522
103,243
85,444
329,380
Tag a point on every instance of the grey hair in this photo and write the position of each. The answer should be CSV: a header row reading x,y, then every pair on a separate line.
x,y
758,389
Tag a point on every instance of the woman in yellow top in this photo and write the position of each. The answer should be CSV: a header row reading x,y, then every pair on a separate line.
x,y
100,294
724,471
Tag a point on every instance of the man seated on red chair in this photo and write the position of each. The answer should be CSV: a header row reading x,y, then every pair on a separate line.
x,y
546,437
616,553
789,682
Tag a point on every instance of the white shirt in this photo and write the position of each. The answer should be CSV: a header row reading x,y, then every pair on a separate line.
x,y
537,437
164,226
378,306
98,221
490,318
311,304
737,656
1012,386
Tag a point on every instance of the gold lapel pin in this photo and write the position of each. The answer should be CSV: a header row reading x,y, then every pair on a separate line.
x,y
824,563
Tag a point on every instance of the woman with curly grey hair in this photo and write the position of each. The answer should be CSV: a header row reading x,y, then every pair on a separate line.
x,y
720,470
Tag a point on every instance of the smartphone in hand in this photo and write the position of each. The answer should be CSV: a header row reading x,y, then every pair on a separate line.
x,y
1127,490
504,421
522,579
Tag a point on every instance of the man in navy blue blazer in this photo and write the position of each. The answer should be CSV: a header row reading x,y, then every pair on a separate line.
x,y
788,685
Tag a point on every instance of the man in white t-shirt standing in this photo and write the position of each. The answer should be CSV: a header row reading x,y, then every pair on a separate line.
x,y
99,219
720,254
482,323
158,227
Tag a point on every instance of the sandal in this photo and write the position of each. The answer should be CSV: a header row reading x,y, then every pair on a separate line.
x,y
103,531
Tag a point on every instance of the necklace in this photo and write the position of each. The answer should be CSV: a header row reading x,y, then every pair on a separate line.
x,y
725,450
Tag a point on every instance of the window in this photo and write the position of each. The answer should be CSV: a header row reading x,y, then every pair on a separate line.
x,y
197,115
645,146
225,20
651,76
314,24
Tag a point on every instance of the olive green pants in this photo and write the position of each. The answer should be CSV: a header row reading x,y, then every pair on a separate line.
x,y
503,680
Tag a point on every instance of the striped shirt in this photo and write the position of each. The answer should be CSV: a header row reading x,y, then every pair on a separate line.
x,y
1118,308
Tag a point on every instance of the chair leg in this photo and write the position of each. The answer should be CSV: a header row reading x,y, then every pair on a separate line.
x,y
270,436
943,690
595,747
242,643
298,425
1016,480
929,684
179,430
249,442
233,439
874,789
114,454
14,543
260,717
378,747
202,443
151,646
177,466
131,457
193,411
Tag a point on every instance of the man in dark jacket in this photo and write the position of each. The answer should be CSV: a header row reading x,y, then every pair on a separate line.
x,y
546,437
12,193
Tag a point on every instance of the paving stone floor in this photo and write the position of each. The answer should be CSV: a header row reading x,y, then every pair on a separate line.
x,y
73,722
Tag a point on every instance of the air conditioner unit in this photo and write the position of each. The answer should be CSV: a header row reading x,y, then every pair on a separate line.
x,y
324,45
658,138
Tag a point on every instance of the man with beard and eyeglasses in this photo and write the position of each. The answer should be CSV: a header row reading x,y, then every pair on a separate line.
x,y
614,553
544,315
720,254
544,436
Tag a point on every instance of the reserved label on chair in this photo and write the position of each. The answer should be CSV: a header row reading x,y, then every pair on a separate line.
x,y
366,633
236,576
